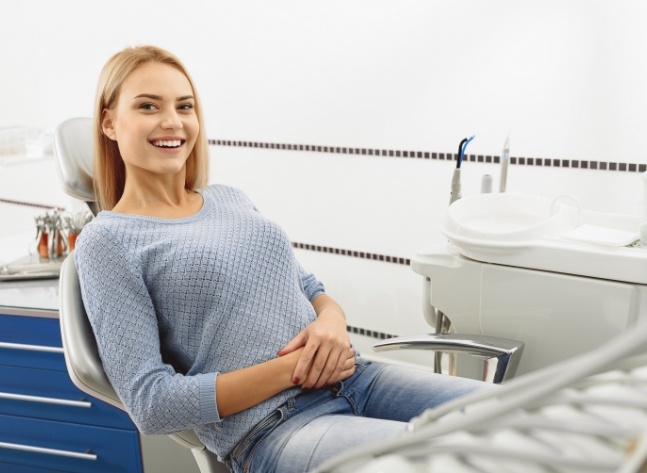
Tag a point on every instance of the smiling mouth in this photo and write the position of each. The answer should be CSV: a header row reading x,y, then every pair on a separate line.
x,y
168,143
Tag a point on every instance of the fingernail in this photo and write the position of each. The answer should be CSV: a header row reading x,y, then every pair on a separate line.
x,y
296,381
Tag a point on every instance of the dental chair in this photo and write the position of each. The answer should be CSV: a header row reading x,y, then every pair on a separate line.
x,y
73,151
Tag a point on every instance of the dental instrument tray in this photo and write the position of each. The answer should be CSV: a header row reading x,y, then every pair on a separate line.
x,y
31,267
535,232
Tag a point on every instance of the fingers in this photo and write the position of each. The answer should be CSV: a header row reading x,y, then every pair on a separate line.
x,y
323,367
326,356
349,366
346,373
303,366
326,360
348,370
337,365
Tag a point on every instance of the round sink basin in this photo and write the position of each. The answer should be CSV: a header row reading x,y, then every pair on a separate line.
x,y
508,219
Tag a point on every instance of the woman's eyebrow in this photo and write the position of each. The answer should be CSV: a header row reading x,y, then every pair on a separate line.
x,y
148,96
158,97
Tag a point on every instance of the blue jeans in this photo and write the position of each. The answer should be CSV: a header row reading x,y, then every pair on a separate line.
x,y
372,405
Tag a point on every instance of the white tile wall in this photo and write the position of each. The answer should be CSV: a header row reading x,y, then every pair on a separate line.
x,y
566,79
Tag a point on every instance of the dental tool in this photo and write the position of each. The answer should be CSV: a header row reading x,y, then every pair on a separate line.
x,y
455,193
643,223
505,159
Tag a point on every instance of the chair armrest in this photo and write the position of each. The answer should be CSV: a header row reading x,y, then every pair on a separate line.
x,y
501,355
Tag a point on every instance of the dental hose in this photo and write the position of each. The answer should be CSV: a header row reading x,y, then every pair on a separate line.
x,y
455,193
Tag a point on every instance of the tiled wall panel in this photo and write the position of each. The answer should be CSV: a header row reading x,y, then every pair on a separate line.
x,y
341,119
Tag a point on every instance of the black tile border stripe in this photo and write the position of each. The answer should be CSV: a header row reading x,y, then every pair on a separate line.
x,y
352,253
369,333
479,158
30,204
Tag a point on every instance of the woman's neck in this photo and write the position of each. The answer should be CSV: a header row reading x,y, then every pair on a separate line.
x,y
159,201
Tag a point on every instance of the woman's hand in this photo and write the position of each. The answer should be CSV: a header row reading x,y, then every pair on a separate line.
x,y
327,355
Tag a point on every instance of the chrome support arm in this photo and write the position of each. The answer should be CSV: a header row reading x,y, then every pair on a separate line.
x,y
501,355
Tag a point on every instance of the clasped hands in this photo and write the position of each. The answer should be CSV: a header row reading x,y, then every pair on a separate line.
x,y
325,355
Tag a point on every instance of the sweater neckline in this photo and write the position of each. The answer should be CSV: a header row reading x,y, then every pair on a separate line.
x,y
206,205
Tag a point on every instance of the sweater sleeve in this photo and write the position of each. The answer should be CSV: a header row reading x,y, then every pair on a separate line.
x,y
312,287
122,316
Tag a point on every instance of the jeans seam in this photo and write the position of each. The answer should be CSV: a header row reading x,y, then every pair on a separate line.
x,y
250,456
238,449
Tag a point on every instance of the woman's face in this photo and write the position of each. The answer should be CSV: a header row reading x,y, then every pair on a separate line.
x,y
153,121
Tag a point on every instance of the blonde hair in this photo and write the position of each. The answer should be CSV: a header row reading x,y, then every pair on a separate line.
x,y
109,169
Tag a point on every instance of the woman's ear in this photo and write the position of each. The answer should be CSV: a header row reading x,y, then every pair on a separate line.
x,y
107,124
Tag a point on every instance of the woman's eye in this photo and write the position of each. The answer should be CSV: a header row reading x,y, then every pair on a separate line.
x,y
186,106
148,106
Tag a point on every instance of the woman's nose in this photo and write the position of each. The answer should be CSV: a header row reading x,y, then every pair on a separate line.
x,y
171,120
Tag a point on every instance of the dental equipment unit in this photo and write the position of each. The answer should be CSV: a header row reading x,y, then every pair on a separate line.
x,y
561,279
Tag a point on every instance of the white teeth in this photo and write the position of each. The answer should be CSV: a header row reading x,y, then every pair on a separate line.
x,y
167,143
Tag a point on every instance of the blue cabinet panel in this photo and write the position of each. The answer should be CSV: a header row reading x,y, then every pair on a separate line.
x,y
47,425
34,330
47,394
31,342
30,356
69,447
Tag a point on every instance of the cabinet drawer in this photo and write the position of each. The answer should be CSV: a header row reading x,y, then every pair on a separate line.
x,y
65,447
32,356
30,330
51,395
31,342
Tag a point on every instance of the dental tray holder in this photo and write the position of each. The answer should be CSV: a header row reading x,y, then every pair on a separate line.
x,y
535,232
31,267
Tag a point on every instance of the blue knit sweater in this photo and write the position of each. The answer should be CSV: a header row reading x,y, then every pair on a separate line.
x,y
174,302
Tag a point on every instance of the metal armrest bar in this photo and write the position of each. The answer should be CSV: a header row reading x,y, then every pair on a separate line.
x,y
501,354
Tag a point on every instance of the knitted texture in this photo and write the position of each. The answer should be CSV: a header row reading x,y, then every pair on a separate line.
x,y
174,302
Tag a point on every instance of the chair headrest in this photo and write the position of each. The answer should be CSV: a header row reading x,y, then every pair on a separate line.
x,y
73,150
